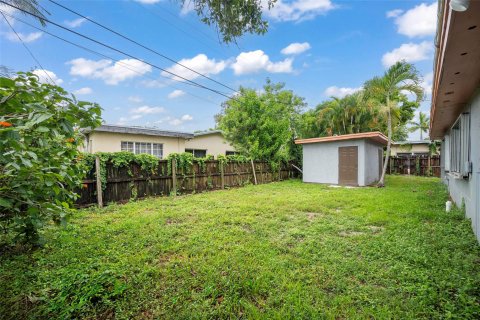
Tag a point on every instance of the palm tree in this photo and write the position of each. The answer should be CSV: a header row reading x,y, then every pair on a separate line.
x,y
31,6
402,76
423,124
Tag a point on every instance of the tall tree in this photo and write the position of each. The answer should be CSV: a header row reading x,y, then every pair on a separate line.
x,y
422,125
262,125
401,76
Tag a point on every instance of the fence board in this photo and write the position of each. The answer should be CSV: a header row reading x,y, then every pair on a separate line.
x,y
415,165
126,183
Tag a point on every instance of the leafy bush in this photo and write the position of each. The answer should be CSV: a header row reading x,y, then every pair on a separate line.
x,y
39,142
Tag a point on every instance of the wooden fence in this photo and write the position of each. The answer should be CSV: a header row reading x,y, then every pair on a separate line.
x,y
126,183
415,165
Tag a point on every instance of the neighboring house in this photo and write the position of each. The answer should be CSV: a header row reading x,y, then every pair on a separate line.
x,y
112,138
410,148
209,142
350,159
455,109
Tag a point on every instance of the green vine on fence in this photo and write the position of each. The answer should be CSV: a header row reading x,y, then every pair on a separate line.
x,y
121,159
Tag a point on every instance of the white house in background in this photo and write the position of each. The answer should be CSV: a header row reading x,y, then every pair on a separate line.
x,y
410,148
154,141
209,142
455,109
113,138
350,159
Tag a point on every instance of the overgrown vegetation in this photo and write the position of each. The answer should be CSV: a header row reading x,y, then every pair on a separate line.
x,y
39,165
282,250
261,125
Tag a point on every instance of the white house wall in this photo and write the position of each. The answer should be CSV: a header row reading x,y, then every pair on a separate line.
x,y
320,161
468,191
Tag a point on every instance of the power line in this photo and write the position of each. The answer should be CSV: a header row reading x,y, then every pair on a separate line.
x,y
30,52
125,65
117,50
139,44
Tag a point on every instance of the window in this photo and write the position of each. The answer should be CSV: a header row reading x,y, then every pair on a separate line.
x,y
460,146
197,153
127,146
230,153
155,149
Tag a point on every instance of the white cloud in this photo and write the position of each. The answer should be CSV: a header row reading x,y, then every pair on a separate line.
x,y
135,99
175,121
188,6
297,10
75,23
179,121
254,61
175,94
427,83
26,37
296,48
147,110
10,11
85,90
46,76
419,21
199,63
338,92
394,13
110,73
410,52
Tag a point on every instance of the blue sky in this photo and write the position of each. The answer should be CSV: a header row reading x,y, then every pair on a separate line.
x,y
319,48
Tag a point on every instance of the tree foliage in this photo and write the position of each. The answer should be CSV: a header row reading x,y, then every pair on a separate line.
x,y
422,125
262,125
39,141
231,18
387,90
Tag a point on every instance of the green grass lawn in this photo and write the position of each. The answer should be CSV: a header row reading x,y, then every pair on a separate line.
x,y
282,250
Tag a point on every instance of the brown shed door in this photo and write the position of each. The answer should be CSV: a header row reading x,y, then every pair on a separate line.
x,y
348,166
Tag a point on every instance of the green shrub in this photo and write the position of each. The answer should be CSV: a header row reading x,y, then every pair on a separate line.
x,y
39,142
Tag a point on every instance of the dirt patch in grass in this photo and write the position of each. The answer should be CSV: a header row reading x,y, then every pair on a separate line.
x,y
346,233
376,229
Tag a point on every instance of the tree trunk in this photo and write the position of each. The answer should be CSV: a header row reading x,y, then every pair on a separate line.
x,y
381,182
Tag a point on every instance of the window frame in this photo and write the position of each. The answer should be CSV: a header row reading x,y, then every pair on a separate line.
x,y
143,148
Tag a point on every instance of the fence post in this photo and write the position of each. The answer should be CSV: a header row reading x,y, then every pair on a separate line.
x,y
253,170
99,182
174,177
222,175
280,172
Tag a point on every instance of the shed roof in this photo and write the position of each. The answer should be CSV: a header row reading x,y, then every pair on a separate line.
x,y
375,136
141,130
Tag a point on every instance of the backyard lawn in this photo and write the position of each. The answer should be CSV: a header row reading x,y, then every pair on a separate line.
x,y
281,250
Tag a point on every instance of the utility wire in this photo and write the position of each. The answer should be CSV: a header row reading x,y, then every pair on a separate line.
x,y
139,44
116,50
30,52
125,65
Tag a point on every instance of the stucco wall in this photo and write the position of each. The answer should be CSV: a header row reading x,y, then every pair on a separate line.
x,y
468,191
372,173
111,142
416,148
214,143
320,161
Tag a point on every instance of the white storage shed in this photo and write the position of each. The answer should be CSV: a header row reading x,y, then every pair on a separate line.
x,y
351,159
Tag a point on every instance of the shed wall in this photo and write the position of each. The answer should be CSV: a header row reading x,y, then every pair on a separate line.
x,y
320,161
372,162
